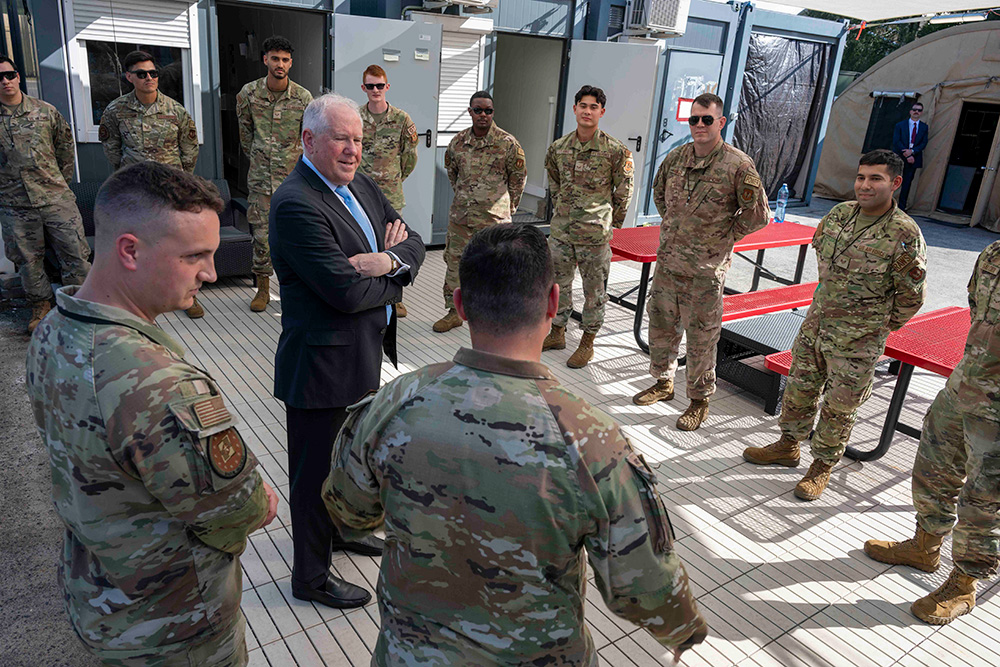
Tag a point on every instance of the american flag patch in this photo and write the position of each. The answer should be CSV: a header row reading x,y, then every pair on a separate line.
x,y
211,411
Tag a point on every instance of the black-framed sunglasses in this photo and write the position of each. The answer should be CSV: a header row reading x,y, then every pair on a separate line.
x,y
143,73
373,86
707,120
480,110
10,76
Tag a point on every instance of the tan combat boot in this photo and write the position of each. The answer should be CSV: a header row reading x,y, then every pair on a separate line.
x,y
784,452
448,322
263,296
195,311
556,340
694,416
814,483
955,597
400,310
39,309
663,390
584,353
922,551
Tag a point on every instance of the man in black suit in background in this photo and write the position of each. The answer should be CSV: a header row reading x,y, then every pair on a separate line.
x,y
909,139
342,257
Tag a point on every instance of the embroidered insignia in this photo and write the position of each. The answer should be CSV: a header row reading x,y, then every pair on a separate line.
x,y
193,134
103,134
629,166
751,180
871,250
519,164
917,274
413,133
211,411
902,263
991,269
227,454
747,195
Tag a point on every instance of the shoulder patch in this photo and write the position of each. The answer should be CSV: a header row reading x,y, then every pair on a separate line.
x,y
629,165
412,132
917,274
519,163
211,412
102,133
227,454
902,263
991,269
193,134
751,180
748,193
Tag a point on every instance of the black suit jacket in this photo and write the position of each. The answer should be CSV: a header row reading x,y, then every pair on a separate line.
x,y
333,328
901,140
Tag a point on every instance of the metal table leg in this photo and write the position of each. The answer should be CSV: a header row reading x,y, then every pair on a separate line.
x,y
891,420
756,270
801,264
640,307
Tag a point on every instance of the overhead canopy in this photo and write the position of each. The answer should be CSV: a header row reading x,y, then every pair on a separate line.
x,y
866,10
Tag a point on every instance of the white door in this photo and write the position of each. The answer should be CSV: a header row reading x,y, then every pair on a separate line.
x,y
410,54
627,75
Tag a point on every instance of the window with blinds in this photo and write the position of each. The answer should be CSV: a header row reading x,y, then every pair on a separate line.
x,y
164,21
460,78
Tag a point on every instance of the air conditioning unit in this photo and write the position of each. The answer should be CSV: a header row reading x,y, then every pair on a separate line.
x,y
659,18
467,6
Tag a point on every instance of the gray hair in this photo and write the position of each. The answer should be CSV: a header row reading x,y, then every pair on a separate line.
x,y
316,117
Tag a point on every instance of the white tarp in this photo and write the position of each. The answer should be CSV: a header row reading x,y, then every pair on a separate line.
x,y
866,10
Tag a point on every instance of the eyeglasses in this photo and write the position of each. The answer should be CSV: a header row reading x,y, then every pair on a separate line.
x,y
479,111
143,73
707,120
10,76
373,86
917,110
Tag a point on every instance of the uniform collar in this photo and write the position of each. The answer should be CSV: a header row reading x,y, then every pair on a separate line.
x,y
367,112
266,93
134,101
595,143
695,162
97,313
27,104
494,363
487,139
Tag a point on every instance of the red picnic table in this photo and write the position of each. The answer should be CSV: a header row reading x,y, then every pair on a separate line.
x,y
640,244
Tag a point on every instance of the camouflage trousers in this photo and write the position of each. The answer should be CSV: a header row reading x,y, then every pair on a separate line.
x,y
844,382
679,304
957,475
25,234
455,242
257,213
594,262
227,649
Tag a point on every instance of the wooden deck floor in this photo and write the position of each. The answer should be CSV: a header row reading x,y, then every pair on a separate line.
x,y
781,582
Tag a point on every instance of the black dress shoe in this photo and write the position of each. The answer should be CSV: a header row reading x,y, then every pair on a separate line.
x,y
334,592
366,546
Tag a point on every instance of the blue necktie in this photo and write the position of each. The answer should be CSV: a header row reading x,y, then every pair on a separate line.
x,y
366,227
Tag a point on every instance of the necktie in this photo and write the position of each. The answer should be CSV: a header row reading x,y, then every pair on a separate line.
x,y
913,135
366,227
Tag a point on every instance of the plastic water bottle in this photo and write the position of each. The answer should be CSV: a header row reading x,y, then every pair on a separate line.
x,y
779,209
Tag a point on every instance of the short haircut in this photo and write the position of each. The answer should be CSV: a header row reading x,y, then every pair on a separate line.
x,y
137,57
594,92
5,59
315,117
886,157
374,70
918,104
707,100
506,275
276,43
134,199
480,95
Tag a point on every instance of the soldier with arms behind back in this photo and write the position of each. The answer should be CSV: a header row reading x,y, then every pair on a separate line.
x,y
492,479
156,488
709,196
270,112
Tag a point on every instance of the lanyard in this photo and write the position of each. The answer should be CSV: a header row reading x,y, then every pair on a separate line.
x,y
851,220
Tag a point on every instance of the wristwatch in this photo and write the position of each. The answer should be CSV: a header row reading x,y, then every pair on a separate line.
x,y
394,265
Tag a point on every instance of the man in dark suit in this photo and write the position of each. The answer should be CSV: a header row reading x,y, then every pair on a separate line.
x,y
909,139
342,257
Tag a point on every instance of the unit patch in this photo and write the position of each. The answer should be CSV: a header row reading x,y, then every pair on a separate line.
x,y
629,166
519,164
211,411
747,195
916,274
227,454
412,131
103,134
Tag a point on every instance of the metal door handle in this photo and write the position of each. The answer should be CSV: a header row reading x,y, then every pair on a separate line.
x,y
638,142
666,134
427,135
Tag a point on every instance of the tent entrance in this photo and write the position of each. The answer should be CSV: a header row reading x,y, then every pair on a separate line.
x,y
970,153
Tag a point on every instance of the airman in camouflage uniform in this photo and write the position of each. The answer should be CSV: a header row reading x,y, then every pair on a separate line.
x,y
270,112
707,203
590,182
162,131
956,472
491,478
155,486
487,174
36,165
872,270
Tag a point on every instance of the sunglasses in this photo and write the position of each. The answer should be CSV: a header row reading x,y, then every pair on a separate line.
x,y
143,73
373,86
479,111
707,120
10,76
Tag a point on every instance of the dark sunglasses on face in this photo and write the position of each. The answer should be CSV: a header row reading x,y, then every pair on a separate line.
x,y
143,73
707,120
10,76
479,110
373,86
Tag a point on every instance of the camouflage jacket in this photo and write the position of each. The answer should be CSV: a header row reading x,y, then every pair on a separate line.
x,y
36,155
490,478
707,204
976,379
872,278
389,151
153,483
271,132
487,174
591,187
162,132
